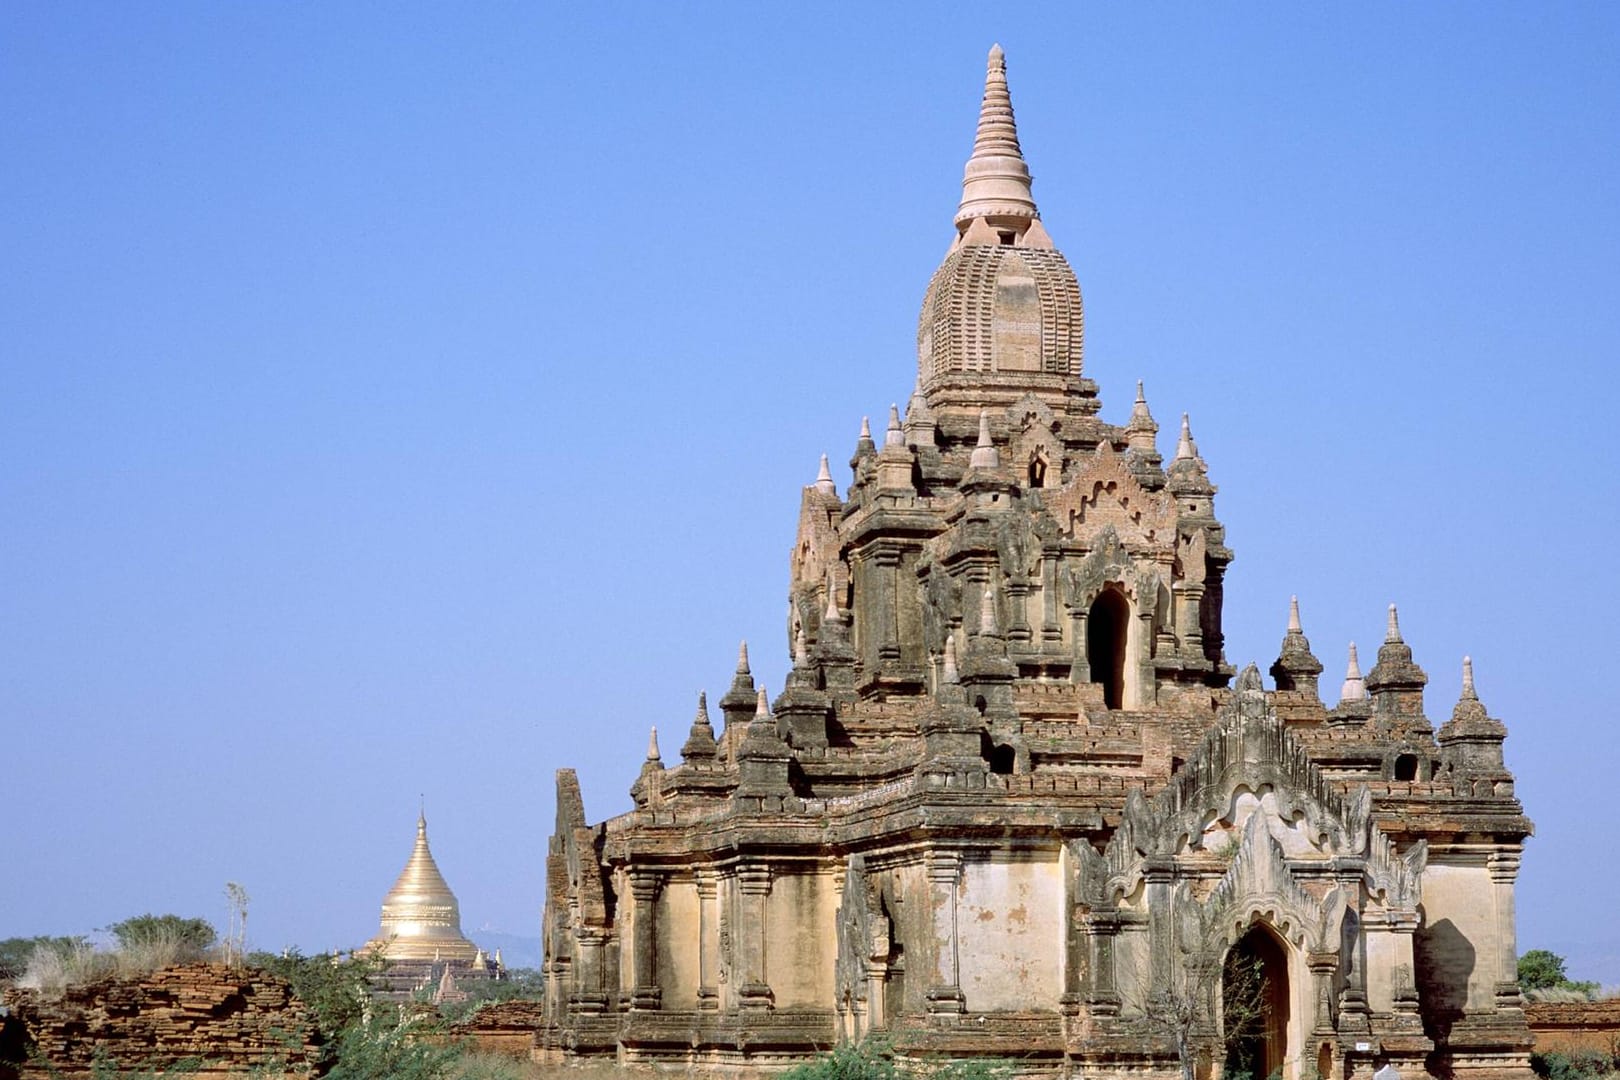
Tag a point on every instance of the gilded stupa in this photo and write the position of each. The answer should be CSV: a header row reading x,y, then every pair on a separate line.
x,y
421,920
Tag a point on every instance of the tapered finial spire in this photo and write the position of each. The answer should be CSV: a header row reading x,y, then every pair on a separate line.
x,y
894,435
1294,626
652,746
995,184
984,455
1186,449
824,480
1354,688
950,674
1392,632
1468,691
742,659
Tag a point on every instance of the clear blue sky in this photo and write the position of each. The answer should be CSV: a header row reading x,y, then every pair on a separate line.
x,y
403,399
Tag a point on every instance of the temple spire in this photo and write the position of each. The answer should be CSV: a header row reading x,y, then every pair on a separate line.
x,y
1354,688
984,454
824,480
995,184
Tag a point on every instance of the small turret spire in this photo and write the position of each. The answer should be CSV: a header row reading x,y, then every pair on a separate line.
x,y
762,706
801,651
985,455
894,436
652,746
1354,689
1392,632
995,184
1186,449
950,674
987,612
866,429
824,480
1293,616
742,659
1468,691
700,744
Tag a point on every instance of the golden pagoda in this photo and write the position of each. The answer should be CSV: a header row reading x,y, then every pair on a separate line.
x,y
421,920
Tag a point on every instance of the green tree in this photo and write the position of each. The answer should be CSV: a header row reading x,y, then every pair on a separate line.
x,y
191,935
1542,969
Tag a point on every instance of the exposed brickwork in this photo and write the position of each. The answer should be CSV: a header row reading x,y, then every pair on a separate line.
x,y
228,1020
1573,1027
503,1027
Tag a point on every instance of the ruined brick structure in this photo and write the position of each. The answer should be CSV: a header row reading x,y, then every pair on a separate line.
x,y
1011,800
205,1020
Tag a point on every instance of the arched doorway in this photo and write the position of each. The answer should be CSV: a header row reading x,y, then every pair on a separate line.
x,y
1105,645
1254,1006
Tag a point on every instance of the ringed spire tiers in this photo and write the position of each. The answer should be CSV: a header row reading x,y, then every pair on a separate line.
x,y
1002,319
421,918
996,182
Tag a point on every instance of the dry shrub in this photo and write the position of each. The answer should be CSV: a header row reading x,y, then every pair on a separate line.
x,y
53,968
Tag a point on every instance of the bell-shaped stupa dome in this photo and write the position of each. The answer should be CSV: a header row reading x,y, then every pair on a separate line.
x,y
1003,315
421,919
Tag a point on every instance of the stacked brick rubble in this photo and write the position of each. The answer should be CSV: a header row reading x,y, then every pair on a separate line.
x,y
227,1021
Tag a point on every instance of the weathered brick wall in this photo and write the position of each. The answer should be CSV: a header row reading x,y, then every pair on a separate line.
x,y
226,1020
503,1027
1572,1027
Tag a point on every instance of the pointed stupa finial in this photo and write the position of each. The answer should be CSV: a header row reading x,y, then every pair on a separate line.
x,y
824,480
801,651
1392,632
984,454
652,746
894,436
987,612
702,716
831,614
950,674
762,706
1139,411
1186,449
742,659
1354,689
866,429
995,183
1294,626
1468,691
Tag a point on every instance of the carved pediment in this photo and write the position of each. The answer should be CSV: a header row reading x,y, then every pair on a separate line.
x,y
1250,792
1108,562
1103,493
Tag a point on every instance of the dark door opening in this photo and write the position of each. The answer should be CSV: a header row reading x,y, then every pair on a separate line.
x,y
1254,1006
1105,646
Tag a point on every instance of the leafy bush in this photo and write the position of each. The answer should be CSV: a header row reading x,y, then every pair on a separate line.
x,y
1543,970
873,1059
1581,1065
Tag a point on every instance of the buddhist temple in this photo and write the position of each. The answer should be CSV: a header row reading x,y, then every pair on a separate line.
x,y
1013,800
420,937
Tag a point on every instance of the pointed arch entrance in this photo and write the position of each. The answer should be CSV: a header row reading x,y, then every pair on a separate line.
x,y
1254,1005
1106,626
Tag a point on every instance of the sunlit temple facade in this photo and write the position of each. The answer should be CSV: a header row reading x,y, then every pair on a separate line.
x,y
1013,800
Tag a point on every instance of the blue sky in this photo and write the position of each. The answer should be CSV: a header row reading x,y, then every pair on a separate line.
x,y
415,399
